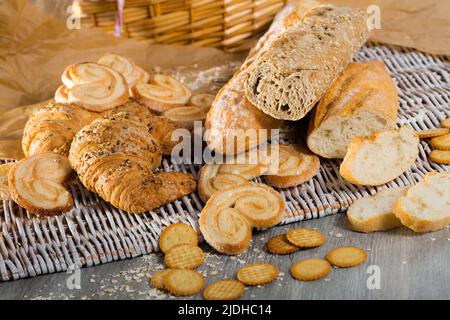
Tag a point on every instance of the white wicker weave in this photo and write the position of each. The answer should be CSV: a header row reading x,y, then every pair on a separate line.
x,y
94,232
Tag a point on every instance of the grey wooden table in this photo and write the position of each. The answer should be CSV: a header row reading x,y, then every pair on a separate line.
x,y
409,266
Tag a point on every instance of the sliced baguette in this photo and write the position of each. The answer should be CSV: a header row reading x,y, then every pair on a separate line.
x,y
381,157
298,68
426,206
374,213
362,100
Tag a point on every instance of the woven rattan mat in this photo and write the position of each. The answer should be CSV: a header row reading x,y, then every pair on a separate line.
x,y
94,232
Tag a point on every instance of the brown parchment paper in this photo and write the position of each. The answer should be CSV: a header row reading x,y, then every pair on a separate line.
x,y
35,48
419,24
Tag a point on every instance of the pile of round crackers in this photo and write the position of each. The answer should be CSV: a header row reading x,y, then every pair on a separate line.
x,y
314,268
182,256
440,141
179,242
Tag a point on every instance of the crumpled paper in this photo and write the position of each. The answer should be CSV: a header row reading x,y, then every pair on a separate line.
x,y
419,24
36,47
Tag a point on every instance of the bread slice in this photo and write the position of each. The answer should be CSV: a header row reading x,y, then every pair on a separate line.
x,y
374,213
426,206
300,66
381,157
362,100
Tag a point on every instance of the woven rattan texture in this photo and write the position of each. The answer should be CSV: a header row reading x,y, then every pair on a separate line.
x,y
94,232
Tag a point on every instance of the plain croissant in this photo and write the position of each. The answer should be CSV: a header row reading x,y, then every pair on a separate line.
x,y
116,156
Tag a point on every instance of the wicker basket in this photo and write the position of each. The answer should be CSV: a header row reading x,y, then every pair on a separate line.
x,y
225,24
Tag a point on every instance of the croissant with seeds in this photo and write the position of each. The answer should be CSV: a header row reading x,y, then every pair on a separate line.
x,y
116,156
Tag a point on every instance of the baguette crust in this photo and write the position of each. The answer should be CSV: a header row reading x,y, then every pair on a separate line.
x,y
431,196
296,70
366,168
231,112
363,95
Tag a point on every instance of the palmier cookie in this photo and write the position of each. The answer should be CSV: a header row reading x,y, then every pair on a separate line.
x,y
186,116
4,190
228,216
37,184
296,165
94,87
211,180
203,100
162,93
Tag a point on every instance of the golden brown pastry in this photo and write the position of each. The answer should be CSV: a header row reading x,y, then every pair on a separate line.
x,y
115,157
203,100
62,95
296,165
53,127
161,128
162,93
95,87
211,180
228,216
37,184
186,116
239,170
4,190
133,74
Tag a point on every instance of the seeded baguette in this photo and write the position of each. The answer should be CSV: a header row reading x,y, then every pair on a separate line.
x,y
362,100
299,67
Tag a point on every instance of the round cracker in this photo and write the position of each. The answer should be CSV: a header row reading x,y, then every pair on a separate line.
x,y
176,234
224,290
157,280
257,273
281,245
310,269
440,156
445,123
430,133
441,142
184,256
346,257
305,238
181,282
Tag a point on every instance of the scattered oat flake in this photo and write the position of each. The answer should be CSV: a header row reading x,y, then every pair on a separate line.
x,y
433,239
339,235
